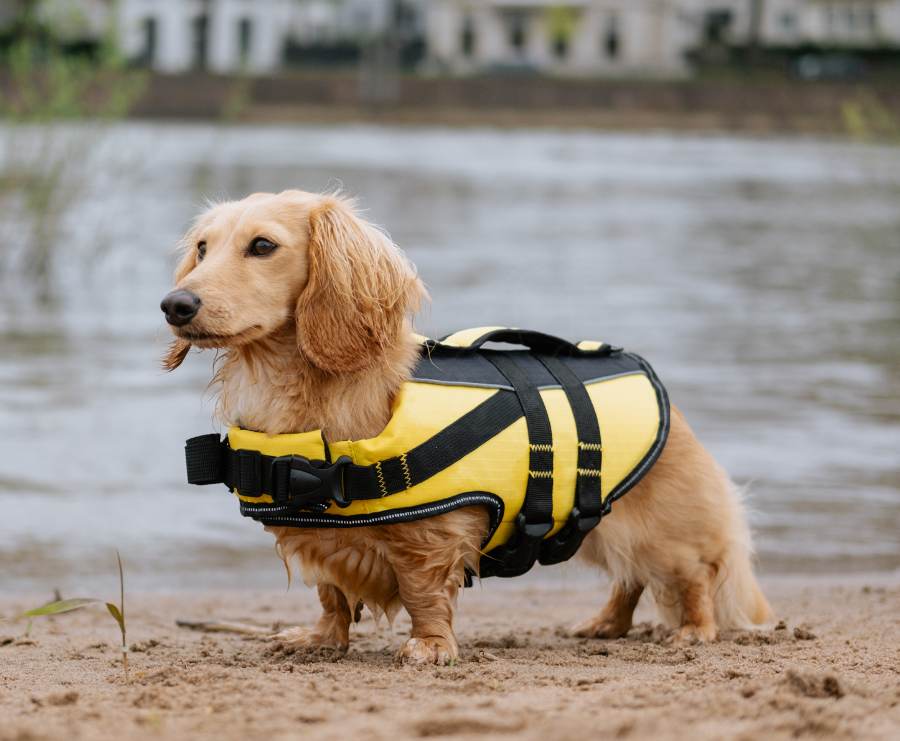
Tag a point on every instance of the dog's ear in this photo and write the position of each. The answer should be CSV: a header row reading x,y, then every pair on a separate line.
x,y
178,348
359,292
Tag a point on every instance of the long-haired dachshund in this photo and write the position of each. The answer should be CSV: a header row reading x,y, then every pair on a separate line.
x,y
312,306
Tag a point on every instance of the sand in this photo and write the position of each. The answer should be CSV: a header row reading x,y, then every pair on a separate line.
x,y
829,669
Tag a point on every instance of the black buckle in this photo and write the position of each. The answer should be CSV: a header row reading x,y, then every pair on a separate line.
x,y
564,544
520,553
298,481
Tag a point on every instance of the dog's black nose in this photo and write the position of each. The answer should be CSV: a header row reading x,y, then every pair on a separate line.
x,y
180,307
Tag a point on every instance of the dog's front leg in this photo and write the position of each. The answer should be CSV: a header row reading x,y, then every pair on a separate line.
x,y
332,631
429,597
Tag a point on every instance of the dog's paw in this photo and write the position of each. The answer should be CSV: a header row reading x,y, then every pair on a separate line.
x,y
598,628
432,650
293,640
688,635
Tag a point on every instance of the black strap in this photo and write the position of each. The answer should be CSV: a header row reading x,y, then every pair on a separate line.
x,y
588,495
588,506
538,506
204,458
441,451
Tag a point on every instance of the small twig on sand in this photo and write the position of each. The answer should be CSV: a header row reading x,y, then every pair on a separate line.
x,y
221,626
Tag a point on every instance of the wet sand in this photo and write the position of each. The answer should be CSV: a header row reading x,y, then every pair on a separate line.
x,y
829,669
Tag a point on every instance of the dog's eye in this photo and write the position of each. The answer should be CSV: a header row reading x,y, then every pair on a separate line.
x,y
260,247
201,250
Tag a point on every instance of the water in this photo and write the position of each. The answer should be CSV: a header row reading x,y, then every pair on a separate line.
x,y
762,279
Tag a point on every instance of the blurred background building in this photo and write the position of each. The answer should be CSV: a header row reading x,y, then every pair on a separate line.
x,y
615,38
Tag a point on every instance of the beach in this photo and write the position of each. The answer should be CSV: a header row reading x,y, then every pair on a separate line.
x,y
829,667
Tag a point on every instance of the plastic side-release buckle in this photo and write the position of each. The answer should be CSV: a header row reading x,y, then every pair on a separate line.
x,y
564,544
305,484
517,556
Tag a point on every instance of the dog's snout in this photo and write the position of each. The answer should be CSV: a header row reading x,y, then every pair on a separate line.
x,y
180,307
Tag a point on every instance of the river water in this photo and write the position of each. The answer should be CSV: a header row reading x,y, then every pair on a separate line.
x,y
760,277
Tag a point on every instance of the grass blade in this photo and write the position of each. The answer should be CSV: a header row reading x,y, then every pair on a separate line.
x,y
119,613
60,606
116,613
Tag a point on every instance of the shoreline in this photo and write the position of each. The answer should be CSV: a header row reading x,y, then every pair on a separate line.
x,y
830,668
861,110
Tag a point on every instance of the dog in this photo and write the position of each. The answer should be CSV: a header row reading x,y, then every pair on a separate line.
x,y
311,307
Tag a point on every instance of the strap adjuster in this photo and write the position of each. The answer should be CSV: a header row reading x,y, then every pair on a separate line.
x,y
248,479
300,482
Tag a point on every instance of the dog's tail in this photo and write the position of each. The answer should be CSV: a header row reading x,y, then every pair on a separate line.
x,y
739,601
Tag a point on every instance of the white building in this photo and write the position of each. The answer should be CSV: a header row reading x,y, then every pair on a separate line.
x,y
566,37
852,23
637,37
238,35
580,37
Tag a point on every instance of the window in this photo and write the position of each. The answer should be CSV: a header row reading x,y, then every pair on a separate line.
x,y
561,47
716,25
245,40
871,19
200,37
612,45
562,23
788,22
149,29
467,37
516,32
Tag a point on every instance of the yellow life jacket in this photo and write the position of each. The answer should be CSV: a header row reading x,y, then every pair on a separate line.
x,y
545,438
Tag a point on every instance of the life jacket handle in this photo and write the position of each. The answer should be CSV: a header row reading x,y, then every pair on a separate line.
x,y
536,341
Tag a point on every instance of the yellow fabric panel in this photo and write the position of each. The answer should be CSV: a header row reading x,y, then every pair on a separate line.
x,y
628,413
565,454
307,444
499,467
465,337
590,345
410,426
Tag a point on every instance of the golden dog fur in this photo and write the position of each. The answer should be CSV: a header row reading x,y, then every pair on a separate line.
x,y
316,335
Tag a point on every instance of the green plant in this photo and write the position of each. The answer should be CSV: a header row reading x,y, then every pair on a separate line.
x,y
43,164
866,118
59,607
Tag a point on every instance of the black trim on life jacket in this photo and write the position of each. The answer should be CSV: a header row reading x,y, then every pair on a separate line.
x,y
269,515
662,434
453,365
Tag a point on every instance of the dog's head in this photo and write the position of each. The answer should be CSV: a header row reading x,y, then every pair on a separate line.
x,y
251,266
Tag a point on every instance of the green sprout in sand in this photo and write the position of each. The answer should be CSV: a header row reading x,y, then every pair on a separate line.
x,y
68,605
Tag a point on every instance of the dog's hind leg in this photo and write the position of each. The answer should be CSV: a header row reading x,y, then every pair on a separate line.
x,y
614,620
693,607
